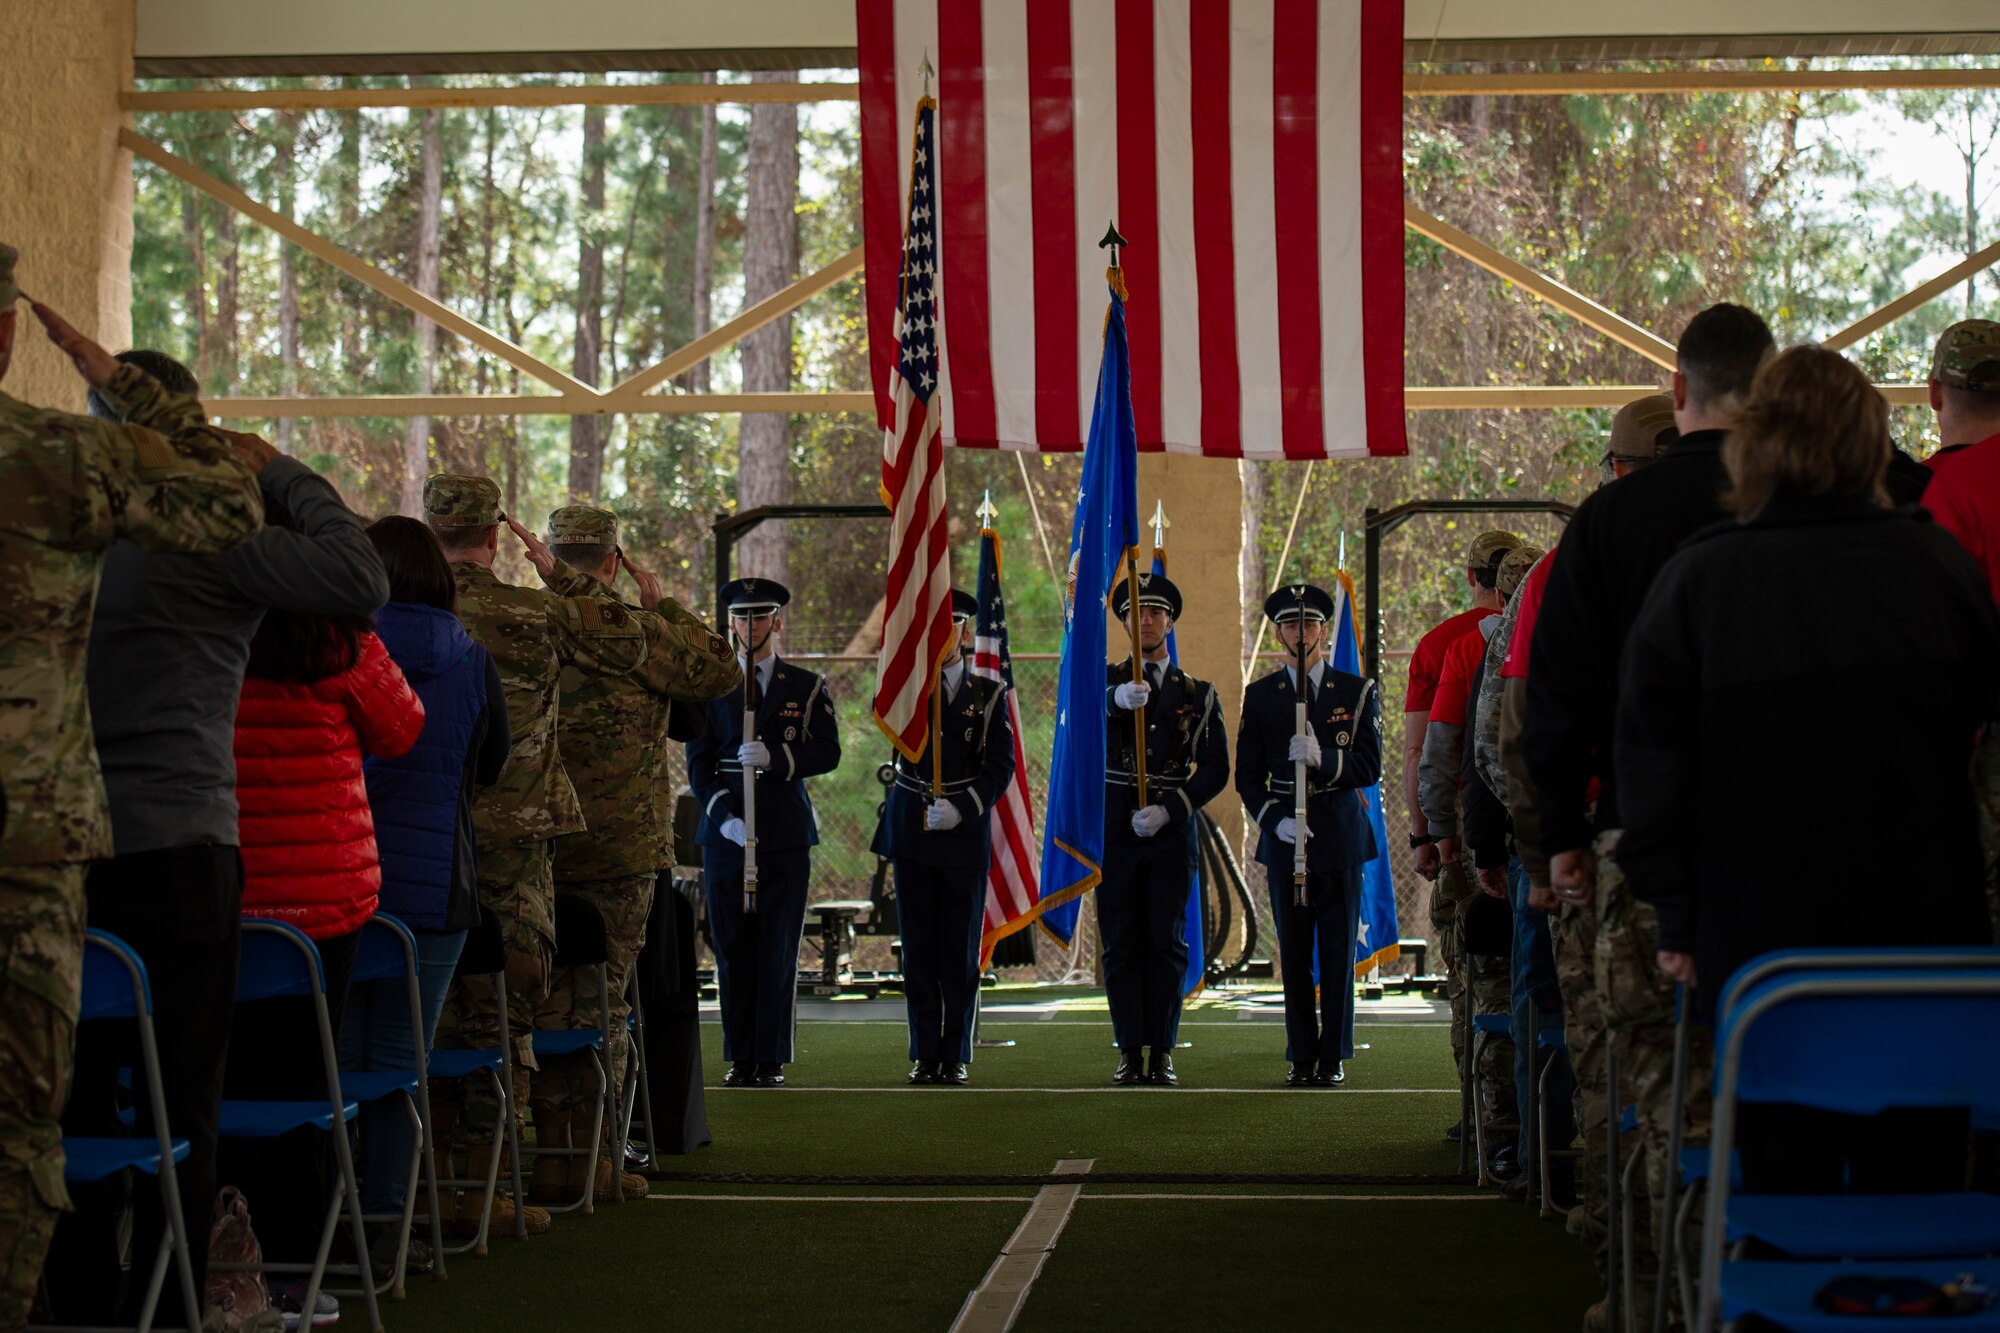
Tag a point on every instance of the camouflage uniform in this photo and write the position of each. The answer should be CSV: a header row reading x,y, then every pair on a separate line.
x,y
613,738
534,636
69,486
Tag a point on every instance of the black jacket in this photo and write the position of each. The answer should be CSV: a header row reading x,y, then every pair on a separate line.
x,y
1795,726
978,749
1616,543
1487,831
1187,754
795,721
1346,717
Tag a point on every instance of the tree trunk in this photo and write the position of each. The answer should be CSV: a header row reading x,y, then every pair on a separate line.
x,y
226,288
430,207
486,239
704,240
770,261
586,433
347,184
288,281
197,288
1972,157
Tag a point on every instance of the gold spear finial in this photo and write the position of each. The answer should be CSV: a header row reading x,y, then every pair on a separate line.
x,y
986,512
1160,524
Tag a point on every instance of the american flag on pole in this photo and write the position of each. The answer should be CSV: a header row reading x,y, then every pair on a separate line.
x,y
1013,875
916,627
1249,150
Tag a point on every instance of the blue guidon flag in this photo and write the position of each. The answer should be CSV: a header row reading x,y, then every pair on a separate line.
x,y
1105,533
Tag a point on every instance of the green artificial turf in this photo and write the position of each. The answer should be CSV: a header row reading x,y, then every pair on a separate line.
x,y
897,1257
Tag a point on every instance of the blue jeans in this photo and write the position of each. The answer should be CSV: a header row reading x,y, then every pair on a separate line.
x,y
375,1036
1534,987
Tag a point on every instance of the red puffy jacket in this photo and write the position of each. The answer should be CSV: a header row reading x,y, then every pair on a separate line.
x,y
307,835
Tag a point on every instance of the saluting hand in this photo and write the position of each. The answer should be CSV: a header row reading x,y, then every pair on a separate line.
x,y
652,591
539,554
96,365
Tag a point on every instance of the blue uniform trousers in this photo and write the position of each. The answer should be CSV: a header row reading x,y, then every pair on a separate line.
x,y
1534,986
1142,932
757,955
941,912
1322,1030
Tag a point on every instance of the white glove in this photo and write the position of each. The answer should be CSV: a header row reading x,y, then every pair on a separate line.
x,y
1132,695
754,754
1149,821
941,815
733,830
1304,747
1288,830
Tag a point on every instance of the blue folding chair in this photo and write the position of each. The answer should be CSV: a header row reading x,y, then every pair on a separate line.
x,y
115,985
580,942
278,961
1787,1038
1684,1191
638,1089
1488,1026
484,955
1550,1038
388,953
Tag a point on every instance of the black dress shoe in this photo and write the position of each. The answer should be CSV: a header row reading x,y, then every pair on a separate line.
x,y
1454,1134
1330,1075
953,1073
1161,1070
925,1072
1131,1069
741,1075
1501,1165
1300,1075
770,1076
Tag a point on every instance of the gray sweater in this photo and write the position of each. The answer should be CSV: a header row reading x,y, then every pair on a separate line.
x,y
168,647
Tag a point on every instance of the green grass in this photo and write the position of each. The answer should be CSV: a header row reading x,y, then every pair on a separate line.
x,y
907,1257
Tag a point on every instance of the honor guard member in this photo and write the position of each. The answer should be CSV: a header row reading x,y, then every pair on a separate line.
x,y
535,636
940,847
1342,750
611,730
796,737
1149,851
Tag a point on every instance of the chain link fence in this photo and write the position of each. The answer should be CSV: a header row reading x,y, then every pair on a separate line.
x,y
848,802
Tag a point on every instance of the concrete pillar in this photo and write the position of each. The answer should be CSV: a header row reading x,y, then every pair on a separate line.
x,y
65,184
1204,502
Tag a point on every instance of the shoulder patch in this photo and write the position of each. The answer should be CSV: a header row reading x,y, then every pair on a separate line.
x,y
152,453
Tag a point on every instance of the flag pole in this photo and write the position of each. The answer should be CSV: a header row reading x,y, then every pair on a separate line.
x,y
749,773
1114,242
1301,894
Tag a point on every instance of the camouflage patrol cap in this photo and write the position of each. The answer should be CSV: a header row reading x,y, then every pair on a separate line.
x,y
1514,567
1488,547
1642,430
455,500
583,525
9,291
1968,356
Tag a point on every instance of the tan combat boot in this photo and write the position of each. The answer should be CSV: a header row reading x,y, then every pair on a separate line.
x,y
501,1210
553,1130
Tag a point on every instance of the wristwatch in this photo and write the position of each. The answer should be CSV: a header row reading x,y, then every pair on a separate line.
x,y
1422,840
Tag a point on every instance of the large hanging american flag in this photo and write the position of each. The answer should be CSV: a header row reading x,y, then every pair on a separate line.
x,y
1249,150
1013,872
916,626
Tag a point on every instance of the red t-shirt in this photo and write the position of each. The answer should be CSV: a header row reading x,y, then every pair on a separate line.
x,y
1514,665
1427,663
1965,499
1454,687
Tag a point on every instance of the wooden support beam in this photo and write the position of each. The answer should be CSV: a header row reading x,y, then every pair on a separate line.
x,y
1574,304
1532,398
774,306
1921,295
359,269
1682,82
538,95
529,405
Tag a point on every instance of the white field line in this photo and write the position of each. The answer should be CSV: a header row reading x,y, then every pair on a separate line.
x,y
996,1302
1320,1094
1099,1197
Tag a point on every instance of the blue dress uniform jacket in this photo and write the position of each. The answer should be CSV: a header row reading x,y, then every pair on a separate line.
x,y
1346,717
1142,897
1345,714
757,955
941,876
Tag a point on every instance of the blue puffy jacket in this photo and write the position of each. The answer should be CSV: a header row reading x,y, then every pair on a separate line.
x,y
423,801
